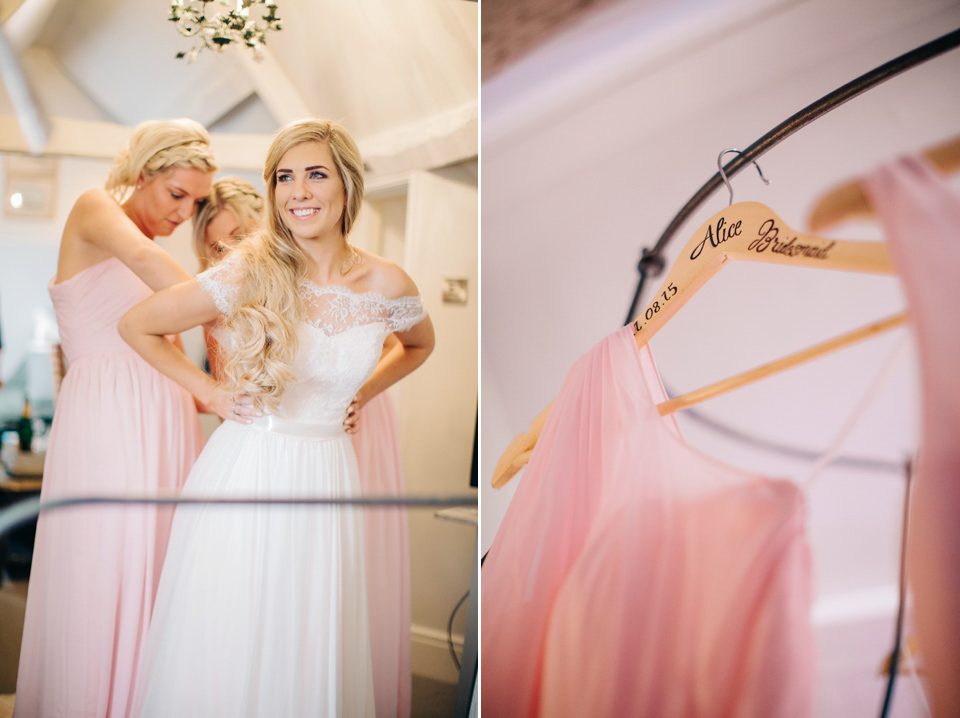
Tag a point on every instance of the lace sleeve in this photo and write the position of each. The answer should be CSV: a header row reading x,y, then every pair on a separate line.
x,y
222,282
404,313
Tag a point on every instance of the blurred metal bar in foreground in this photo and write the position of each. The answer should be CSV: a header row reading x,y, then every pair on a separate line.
x,y
32,507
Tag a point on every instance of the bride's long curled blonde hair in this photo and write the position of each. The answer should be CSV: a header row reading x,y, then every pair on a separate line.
x,y
268,307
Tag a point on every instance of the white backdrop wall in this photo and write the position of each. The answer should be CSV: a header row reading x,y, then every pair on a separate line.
x,y
591,144
28,256
439,402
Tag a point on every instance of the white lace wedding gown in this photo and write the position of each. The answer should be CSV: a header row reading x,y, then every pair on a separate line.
x,y
261,610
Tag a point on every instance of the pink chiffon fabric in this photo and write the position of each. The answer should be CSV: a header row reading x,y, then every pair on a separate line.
x,y
921,218
635,576
120,428
377,445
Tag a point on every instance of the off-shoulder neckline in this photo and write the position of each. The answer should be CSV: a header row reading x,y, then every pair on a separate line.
x,y
341,289
317,288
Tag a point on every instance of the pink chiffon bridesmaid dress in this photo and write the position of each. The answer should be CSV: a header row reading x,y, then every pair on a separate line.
x,y
120,428
377,444
634,576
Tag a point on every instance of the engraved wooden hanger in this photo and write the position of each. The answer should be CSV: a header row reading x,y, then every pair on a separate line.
x,y
746,231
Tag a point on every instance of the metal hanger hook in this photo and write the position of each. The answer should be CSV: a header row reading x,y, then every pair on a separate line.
x,y
723,175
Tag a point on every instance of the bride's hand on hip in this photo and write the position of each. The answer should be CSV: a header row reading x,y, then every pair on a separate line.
x,y
352,422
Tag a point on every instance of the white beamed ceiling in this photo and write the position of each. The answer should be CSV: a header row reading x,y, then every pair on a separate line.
x,y
401,76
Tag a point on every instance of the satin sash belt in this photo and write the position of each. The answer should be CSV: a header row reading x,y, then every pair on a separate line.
x,y
300,429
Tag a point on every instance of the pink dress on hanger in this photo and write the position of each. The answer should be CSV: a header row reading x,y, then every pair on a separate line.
x,y
120,428
921,217
634,576
377,445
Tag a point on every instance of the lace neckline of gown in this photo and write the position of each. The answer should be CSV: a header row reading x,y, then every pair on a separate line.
x,y
331,308
316,288
334,308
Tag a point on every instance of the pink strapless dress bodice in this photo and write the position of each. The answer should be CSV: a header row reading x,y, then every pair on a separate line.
x,y
89,306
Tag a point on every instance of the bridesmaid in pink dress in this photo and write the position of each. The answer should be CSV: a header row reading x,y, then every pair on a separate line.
x,y
232,212
120,428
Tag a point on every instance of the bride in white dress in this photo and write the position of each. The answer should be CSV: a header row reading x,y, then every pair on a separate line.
x,y
261,611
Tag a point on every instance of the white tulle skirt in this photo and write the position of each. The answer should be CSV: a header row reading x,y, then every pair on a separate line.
x,y
262,610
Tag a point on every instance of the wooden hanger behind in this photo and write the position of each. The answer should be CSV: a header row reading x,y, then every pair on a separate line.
x,y
848,200
747,231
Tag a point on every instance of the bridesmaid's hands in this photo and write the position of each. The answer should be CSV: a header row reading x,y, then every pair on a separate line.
x,y
352,422
233,407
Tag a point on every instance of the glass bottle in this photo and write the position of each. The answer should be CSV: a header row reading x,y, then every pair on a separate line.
x,y
25,428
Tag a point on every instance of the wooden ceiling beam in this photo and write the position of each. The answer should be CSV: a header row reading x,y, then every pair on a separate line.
x,y
7,8
33,125
273,85
436,141
24,25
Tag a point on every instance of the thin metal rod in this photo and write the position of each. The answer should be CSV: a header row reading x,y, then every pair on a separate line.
x,y
30,508
652,262
799,453
651,257
901,594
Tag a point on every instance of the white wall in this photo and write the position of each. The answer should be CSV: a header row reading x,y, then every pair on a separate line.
x,y
427,222
592,144
28,256
438,403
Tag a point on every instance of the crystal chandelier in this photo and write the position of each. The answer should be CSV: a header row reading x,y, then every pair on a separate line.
x,y
244,22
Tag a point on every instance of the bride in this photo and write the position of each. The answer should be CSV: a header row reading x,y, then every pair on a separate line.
x,y
262,610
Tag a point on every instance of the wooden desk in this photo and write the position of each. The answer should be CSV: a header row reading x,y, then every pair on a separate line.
x,y
18,487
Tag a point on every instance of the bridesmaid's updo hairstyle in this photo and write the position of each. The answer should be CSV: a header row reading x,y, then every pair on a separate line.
x,y
269,307
157,146
233,194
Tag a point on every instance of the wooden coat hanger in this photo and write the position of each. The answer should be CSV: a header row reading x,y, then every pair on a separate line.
x,y
751,231
848,200
746,231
